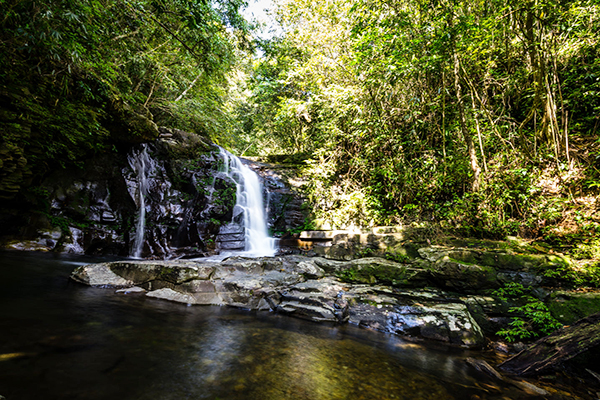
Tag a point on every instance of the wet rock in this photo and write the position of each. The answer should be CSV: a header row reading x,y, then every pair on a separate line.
x,y
100,275
168,271
310,269
524,278
306,288
417,313
134,289
490,314
172,295
204,292
317,300
29,245
46,241
188,200
74,243
285,203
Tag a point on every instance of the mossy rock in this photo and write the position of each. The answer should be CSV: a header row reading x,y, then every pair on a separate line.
x,y
373,270
141,272
568,307
183,145
504,259
460,276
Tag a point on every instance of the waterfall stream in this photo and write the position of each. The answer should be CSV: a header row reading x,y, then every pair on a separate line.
x,y
141,163
249,201
249,217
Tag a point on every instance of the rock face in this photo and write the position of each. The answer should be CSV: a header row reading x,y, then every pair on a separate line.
x,y
286,207
100,205
189,205
299,286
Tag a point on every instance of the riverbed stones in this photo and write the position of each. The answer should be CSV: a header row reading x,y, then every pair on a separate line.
x,y
441,293
299,286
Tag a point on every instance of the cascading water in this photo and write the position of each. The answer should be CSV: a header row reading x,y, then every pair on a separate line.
x,y
250,203
141,163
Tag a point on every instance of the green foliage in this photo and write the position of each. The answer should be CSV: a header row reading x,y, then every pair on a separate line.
x,y
586,275
215,222
225,197
60,222
76,77
448,111
532,318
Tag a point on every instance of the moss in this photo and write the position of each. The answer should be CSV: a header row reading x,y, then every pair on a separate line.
x,y
568,308
397,276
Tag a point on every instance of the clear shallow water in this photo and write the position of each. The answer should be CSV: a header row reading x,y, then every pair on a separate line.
x,y
63,340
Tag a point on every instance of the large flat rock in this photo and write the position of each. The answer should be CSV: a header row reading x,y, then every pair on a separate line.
x,y
302,287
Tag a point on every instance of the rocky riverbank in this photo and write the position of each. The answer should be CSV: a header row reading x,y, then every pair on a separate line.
x,y
438,294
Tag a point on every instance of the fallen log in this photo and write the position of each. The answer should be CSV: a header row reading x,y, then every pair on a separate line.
x,y
527,387
561,346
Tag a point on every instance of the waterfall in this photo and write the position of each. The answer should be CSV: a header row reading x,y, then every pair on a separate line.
x,y
249,201
141,163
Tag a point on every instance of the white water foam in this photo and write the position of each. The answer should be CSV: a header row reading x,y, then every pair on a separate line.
x,y
249,201
141,163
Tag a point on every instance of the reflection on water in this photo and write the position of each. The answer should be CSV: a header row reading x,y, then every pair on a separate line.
x,y
62,340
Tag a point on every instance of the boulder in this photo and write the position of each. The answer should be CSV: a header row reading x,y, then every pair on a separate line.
x,y
100,275
422,314
317,300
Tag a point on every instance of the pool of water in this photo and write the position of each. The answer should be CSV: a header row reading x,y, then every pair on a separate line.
x,y
63,340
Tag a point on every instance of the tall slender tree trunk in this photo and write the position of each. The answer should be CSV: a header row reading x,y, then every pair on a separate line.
x,y
463,121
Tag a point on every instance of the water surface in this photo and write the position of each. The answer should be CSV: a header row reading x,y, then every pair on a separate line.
x,y
63,340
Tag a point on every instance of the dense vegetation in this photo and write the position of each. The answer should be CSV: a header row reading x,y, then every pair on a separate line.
x,y
78,77
479,117
482,117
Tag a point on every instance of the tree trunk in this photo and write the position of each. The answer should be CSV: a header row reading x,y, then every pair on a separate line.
x,y
463,124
